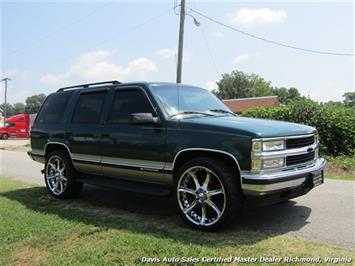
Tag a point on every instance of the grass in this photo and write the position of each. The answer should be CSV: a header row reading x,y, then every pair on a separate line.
x,y
343,162
36,229
341,167
340,177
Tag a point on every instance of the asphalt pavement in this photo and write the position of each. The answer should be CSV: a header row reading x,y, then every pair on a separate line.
x,y
327,213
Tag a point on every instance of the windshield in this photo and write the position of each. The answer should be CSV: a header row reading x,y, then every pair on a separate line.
x,y
188,100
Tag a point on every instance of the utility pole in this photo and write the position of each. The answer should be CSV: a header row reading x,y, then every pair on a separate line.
x,y
5,106
181,41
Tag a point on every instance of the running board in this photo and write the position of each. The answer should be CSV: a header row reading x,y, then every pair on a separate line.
x,y
131,186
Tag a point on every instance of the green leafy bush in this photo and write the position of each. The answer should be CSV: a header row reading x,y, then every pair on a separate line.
x,y
344,162
335,124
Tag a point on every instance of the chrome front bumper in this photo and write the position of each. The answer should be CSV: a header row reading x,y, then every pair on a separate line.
x,y
270,182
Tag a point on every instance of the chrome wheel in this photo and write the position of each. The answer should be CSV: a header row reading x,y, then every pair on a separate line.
x,y
55,175
201,196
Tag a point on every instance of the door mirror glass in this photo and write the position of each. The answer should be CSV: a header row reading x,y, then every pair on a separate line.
x,y
143,118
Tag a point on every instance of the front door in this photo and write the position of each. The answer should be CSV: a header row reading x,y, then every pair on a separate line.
x,y
132,151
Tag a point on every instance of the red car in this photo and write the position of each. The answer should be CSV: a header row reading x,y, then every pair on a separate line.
x,y
17,126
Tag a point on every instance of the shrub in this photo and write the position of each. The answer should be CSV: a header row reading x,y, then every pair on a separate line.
x,y
335,124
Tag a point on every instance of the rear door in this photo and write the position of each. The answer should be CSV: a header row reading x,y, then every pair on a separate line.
x,y
84,131
132,151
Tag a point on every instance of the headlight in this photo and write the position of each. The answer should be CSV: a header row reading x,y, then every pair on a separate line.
x,y
274,145
260,164
316,139
271,145
316,153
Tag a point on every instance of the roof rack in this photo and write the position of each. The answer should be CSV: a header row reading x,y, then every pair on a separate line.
x,y
90,84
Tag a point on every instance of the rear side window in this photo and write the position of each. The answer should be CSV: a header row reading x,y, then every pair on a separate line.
x,y
53,108
127,102
89,107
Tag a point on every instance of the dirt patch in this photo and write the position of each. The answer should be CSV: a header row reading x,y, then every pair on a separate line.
x,y
27,255
15,145
332,169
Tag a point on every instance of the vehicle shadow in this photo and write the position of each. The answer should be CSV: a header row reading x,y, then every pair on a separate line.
x,y
157,216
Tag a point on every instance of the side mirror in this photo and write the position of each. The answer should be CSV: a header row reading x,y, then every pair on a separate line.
x,y
144,118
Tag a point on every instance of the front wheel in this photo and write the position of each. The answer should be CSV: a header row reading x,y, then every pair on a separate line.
x,y
5,136
60,176
208,193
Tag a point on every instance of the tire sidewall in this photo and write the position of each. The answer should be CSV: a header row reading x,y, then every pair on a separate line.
x,y
215,166
70,175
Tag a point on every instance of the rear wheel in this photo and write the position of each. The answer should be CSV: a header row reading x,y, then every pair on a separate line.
x,y
208,193
60,176
5,136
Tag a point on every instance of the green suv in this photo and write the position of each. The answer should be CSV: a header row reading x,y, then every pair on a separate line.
x,y
167,138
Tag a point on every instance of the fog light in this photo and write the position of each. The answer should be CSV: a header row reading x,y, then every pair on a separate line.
x,y
273,163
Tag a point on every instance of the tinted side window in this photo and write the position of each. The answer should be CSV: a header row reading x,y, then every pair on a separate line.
x,y
53,108
89,107
10,124
127,102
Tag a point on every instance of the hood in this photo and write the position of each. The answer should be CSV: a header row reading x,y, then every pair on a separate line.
x,y
252,127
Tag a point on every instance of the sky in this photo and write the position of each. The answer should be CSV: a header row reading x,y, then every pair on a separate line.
x,y
49,44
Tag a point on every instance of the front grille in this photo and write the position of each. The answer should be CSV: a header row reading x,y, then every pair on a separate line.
x,y
299,159
299,142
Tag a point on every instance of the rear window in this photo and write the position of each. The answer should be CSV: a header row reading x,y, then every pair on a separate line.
x,y
53,108
89,107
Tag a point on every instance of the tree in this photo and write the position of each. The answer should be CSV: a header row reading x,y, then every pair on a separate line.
x,y
33,103
286,95
19,108
241,85
9,110
349,98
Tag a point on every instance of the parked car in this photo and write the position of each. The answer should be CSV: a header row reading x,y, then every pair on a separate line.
x,y
165,138
17,126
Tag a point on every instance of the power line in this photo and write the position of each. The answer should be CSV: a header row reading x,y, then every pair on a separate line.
x,y
210,52
208,48
268,40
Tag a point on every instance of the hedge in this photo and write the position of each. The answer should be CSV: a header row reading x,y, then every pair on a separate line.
x,y
335,124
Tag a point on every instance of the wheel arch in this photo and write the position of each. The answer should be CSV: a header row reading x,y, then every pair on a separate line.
x,y
185,155
52,146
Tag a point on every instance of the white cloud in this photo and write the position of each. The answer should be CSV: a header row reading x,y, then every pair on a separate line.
x,y
166,53
94,66
257,16
211,85
240,59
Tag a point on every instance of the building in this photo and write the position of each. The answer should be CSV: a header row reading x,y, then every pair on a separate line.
x,y
243,104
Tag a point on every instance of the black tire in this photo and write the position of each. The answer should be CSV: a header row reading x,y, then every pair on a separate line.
x,y
232,196
5,136
72,187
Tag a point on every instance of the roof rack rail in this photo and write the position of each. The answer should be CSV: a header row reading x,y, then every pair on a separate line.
x,y
90,84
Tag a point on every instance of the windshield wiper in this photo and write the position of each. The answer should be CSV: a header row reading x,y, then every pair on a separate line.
x,y
191,112
222,111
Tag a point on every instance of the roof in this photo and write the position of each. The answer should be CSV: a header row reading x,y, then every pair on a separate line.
x,y
101,84
242,104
